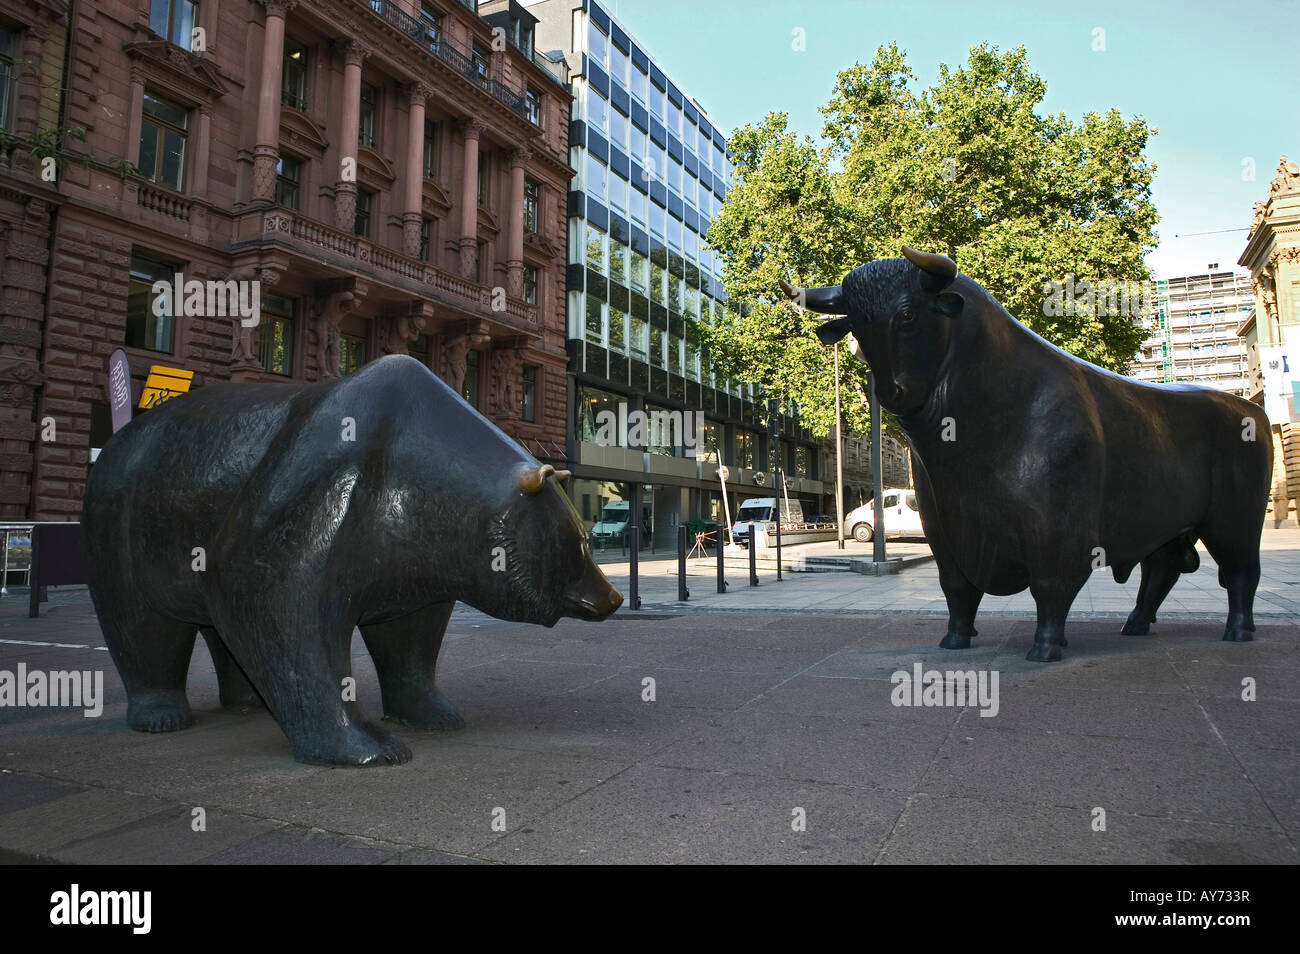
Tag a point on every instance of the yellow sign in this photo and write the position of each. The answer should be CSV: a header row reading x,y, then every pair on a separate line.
x,y
163,384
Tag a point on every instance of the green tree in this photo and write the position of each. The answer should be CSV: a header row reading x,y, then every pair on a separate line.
x,y
965,167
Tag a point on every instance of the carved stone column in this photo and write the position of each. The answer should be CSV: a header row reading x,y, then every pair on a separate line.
x,y
345,190
198,185
412,218
515,263
266,151
471,129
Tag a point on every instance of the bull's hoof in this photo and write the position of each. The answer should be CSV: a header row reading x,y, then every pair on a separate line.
x,y
430,710
1134,628
1238,634
159,712
1044,652
361,744
955,641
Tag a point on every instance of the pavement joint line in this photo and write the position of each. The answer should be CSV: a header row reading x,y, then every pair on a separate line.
x,y
1250,778
282,823
30,642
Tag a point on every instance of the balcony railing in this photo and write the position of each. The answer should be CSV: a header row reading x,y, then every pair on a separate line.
x,y
437,44
316,236
163,202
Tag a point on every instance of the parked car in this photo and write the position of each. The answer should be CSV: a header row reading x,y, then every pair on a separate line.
x,y
902,517
761,510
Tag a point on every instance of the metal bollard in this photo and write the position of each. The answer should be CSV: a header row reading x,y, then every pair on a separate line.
x,y
634,549
683,594
753,554
722,581
778,550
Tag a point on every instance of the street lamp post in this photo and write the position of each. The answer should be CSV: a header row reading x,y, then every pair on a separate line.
x,y
877,479
839,458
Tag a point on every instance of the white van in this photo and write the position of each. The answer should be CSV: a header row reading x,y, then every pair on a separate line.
x,y
761,510
902,517
611,529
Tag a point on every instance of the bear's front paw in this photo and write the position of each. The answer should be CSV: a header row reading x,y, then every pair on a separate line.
x,y
360,743
158,712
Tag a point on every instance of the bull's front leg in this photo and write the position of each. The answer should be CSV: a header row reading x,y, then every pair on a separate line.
x,y
963,602
1053,597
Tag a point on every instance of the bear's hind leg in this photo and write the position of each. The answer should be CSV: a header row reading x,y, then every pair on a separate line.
x,y
152,653
236,691
405,653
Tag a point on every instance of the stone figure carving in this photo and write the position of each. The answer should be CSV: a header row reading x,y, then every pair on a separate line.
x,y
1286,180
454,350
290,514
1033,467
331,310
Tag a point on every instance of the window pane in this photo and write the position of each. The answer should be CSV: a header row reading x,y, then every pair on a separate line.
x,y
149,135
617,260
160,12
144,327
595,322
182,23
597,43
636,335
616,331
165,111
529,409
597,109
173,159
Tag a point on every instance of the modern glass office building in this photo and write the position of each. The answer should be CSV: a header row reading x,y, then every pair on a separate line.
x,y
652,171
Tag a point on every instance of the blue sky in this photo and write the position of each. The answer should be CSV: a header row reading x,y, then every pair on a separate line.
x,y
1221,81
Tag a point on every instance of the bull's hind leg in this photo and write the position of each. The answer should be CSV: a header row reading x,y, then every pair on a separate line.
x,y
405,653
152,653
236,691
1160,572
1238,558
299,660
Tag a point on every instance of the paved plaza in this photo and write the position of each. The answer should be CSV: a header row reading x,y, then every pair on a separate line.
x,y
770,733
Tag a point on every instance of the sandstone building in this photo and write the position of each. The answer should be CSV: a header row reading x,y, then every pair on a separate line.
x,y
392,174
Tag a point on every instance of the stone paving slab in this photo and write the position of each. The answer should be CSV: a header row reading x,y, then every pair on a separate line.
x,y
759,720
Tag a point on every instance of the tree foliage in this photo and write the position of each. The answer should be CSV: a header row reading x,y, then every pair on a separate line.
x,y
966,167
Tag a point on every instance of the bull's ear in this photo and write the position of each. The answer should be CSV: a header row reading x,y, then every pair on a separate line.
x,y
829,332
533,479
949,303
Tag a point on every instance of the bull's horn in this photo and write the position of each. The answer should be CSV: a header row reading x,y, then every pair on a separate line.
x,y
828,300
533,479
941,269
564,476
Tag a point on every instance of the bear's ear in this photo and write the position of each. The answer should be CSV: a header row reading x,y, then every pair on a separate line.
x,y
533,479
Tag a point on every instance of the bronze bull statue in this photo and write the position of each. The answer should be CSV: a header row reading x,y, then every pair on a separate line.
x,y
1034,467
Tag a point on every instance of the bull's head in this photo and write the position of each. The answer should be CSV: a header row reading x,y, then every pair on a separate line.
x,y
902,312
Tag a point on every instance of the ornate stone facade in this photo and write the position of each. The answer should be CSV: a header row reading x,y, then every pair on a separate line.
x,y
366,237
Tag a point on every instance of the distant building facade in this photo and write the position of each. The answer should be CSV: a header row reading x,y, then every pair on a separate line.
x,y
1271,331
652,172
1194,331
392,175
